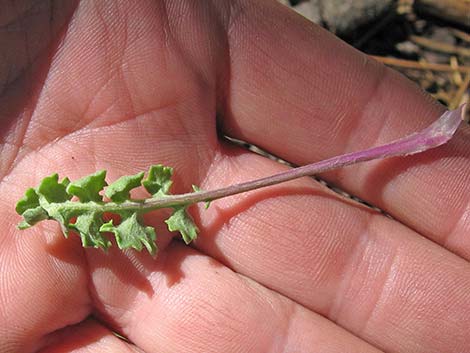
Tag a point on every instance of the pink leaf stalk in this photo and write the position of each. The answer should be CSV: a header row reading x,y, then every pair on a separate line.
x,y
433,136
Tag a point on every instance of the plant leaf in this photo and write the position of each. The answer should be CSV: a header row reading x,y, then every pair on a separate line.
x,y
119,190
23,225
34,215
51,199
132,234
41,203
158,181
88,188
28,201
52,191
62,213
181,221
88,226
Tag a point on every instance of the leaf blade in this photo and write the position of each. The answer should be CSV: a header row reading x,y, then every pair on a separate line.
x,y
30,200
158,181
51,191
119,191
88,187
131,233
182,222
88,226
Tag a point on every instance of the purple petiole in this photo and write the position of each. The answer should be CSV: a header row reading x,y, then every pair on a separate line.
x,y
435,135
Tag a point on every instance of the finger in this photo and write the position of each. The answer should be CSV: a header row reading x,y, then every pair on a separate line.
x,y
370,274
87,337
298,85
194,304
43,284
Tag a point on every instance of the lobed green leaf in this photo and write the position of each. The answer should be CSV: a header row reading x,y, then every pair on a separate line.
x,y
181,221
88,188
33,216
119,191
88,226
51,191
130,233
28,201
158,181
52,200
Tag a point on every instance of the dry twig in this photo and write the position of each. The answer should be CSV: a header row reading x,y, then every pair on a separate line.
x,y
419,65
439,46
458,98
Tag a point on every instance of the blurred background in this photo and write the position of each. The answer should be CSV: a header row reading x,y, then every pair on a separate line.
x,y
426,40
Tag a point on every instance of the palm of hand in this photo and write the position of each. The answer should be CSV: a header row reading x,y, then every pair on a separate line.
x,y
130,86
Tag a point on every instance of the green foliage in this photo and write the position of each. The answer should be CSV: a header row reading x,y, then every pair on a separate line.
x,y
88,225
30,200
119,191
129,230
84,213
181,221
52,191
158,181
89,187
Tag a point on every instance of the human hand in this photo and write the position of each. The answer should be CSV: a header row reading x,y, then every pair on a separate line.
x,y
292,268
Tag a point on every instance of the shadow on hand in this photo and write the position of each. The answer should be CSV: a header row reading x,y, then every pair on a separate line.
x,y
130,267
224,216
76,337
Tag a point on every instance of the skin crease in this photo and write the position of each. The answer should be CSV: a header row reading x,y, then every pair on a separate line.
x,y
292,268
